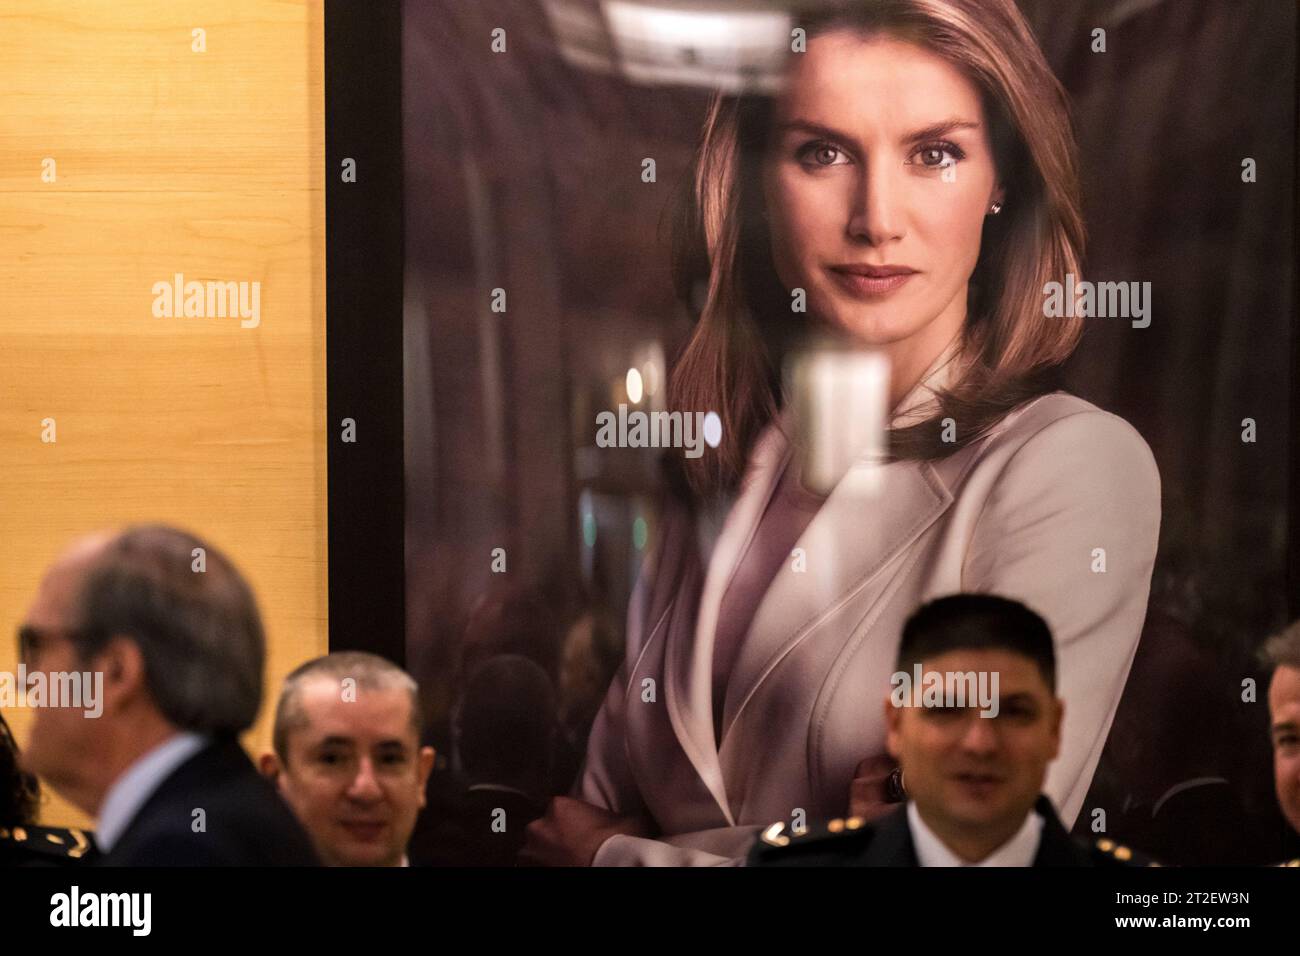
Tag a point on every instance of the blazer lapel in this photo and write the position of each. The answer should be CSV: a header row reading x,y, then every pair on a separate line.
x,y
892,843
688,651
875,512
1055,846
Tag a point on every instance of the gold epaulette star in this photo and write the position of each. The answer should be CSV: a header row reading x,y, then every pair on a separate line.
x,y
1116,850
776,835
73,842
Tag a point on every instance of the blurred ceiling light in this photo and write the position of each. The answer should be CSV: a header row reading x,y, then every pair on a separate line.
x,y
651,377
648,357
732,45
633,386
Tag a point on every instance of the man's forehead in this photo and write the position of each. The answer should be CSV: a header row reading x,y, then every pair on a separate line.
x,y
328,702
1284,688
60,582
1011,667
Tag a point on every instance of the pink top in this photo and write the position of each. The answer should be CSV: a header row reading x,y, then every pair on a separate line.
x,y
788,512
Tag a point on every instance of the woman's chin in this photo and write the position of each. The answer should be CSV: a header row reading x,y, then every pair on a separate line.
x,y
871,327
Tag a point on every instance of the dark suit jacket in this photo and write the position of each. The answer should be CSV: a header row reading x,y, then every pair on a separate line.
x,y
888,842
246,822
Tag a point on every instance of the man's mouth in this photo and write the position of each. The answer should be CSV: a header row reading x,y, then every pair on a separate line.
x,y
978,784
364,830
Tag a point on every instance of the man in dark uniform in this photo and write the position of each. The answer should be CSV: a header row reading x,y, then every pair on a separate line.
x,y
974,721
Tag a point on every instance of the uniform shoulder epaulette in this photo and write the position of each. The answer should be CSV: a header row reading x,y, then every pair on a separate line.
x,y
842,833
60,842
1107,852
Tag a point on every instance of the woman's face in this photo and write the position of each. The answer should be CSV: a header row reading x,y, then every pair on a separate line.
x,y
879,157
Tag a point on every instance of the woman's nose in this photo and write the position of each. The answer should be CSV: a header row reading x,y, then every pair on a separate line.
x,y
876,216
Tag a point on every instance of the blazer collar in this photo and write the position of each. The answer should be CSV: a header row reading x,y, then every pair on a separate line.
x,y
892,844
847,543
921,401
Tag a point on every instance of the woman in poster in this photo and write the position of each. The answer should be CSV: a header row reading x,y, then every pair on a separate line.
x,y
916,178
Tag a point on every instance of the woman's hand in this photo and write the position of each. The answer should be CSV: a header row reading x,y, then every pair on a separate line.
x,y
571,832
868,796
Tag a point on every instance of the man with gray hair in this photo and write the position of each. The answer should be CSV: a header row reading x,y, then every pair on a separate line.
x,y
1282,652
173,630
348,759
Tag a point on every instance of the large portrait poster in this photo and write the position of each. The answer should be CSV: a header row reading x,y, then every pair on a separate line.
x,y
611,209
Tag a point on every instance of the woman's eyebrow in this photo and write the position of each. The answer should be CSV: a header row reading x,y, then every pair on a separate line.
x,y
933,131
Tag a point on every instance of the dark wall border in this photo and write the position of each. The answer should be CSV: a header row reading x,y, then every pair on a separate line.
x,y
363,323
1293,413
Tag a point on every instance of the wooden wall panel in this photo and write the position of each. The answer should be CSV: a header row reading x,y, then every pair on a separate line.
x,y
167,160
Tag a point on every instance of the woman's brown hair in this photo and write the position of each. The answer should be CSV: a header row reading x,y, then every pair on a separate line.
x,y
732,363
19,791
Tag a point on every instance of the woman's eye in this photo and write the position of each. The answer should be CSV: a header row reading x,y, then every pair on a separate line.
x,y
821,154
939,155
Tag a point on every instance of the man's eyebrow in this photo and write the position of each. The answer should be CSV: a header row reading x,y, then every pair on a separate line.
x,y
1285,725
1020,697
933,131
336,741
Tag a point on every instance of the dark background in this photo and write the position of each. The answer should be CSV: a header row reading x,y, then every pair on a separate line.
x,y
523,172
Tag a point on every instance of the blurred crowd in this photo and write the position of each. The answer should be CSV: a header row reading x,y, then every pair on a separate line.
x,y
172,630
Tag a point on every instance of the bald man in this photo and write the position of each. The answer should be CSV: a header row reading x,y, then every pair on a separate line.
x,y
348,759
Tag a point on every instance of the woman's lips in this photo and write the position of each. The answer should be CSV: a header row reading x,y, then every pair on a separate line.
x,y
869,287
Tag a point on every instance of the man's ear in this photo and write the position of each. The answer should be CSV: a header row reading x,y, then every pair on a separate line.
x,y
892,720
424,768
121,662
268,765
1058,715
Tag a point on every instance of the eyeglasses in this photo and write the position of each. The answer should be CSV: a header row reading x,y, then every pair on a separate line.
x,y
32,640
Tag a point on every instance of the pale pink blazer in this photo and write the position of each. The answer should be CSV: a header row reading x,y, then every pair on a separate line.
x,y
1020,513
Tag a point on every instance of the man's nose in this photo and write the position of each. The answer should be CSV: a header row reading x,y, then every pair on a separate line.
x,y
365,785
877,205
980,734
